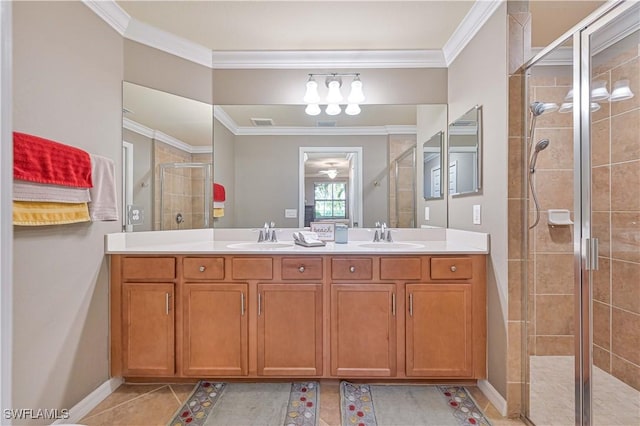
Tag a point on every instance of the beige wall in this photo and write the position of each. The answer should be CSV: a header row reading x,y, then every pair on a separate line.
x,y
67,87
479,76
224,171
143,178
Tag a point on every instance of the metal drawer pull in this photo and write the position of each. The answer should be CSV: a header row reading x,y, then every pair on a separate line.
x,y
242,304
259,304
411,304
453,268
301,269
202,268
352,268
167,296
393,304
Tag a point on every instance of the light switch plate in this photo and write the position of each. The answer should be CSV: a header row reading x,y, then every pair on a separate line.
x,y
290,213
426,213
476,214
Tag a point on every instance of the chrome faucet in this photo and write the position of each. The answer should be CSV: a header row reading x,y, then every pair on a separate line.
x,y
268,233
383,235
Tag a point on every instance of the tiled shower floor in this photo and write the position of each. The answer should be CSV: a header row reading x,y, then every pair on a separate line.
x,y
552,395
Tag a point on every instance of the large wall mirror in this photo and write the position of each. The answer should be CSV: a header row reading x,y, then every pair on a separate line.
x,y
252,170
465,154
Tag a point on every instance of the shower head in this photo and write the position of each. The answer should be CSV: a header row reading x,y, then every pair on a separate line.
x,y
539,108
540,146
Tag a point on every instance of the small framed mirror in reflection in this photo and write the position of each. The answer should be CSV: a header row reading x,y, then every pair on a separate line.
x,y
465,154
433,161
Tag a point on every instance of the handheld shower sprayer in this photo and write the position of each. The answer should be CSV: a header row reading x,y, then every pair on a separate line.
x,y
539,108
541,145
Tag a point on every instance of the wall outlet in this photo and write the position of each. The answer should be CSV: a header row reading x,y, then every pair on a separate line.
x,y
477,220
426,213
290,213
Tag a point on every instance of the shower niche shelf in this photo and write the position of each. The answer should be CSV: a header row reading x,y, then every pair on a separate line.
x,y
559,217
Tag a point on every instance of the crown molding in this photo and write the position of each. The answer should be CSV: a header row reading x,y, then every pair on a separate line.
x,y
224,119
143,130
111,13
314,59
162,40
136,127
478,15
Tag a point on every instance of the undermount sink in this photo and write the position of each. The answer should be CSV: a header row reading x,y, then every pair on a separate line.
x,y
260,246
391,246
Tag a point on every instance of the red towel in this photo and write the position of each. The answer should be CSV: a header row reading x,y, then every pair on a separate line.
x,y
40,160
219,193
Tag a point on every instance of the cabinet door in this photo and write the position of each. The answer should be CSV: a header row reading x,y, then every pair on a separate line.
x,y
363,330
439,330
290,329
215,329
148,329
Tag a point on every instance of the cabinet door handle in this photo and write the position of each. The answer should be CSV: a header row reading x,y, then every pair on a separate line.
x,y
352,269
453,268
242,303
393,304
202,268
301,269
259,304
410,304
167,306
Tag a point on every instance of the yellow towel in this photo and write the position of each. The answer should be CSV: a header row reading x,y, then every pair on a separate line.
x,y
35,213
218,212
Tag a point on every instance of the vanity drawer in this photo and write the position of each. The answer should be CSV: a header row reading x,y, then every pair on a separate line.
x,y
400,268
451,268
148,268
302,268
353,268
203,268
252,268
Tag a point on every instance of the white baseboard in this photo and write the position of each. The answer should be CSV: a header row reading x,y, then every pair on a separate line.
x,y
83,407
494,396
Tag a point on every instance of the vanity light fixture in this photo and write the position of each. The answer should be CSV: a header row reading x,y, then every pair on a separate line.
x,y
621,92
334,98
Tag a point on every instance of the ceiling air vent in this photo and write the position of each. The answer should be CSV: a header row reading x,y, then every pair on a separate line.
x,y
262,122
326,123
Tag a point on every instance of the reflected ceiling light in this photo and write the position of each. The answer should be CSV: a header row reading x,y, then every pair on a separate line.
x,y
621,91
569,96
599,91
568,107
334,98
332,173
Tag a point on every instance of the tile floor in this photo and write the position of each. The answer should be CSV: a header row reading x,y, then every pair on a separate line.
x,y
552,395
134,404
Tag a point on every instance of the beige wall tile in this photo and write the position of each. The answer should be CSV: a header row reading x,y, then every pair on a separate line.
x,y
515,229
625,335
553,239
514,354
602,358
630,71
601,281
625,134
516,105
600,228
554,315
625,186
625,279
600,142
554,345
515,289
603,112
559,153
625,371
600,189
514,399
554,188
554,274
625,236
516,183
602,325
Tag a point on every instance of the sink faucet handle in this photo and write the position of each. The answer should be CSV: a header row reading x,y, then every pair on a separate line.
x,y
389,239
376,237
273,238
261,237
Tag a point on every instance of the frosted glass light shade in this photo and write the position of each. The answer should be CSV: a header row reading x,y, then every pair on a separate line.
x,y
595,106
569,96
333,109
352,109
599,91
357,95
311,96
621,91
566,107
334,96
312,109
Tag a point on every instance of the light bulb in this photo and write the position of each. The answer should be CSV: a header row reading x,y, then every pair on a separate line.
x,y
599,91
569,96
356,96
333,109
621,91
334,96
312,109
352,109
311,96
332,173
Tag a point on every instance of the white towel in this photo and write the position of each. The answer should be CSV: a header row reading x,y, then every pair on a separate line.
x,y
218,204
103,205
31,191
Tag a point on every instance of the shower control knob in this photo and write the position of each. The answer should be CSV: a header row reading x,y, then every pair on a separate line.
x,y
202,268
301,269
453,268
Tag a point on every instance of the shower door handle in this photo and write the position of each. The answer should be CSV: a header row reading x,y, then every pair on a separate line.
x,y
591,246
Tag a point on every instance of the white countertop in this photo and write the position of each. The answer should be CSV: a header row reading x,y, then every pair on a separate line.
x,y
243,241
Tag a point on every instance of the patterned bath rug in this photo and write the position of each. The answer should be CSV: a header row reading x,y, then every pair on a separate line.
x,y
424,405
238,404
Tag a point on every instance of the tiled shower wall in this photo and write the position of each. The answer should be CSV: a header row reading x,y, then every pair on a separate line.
x,y
616,219
403,216
183,189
